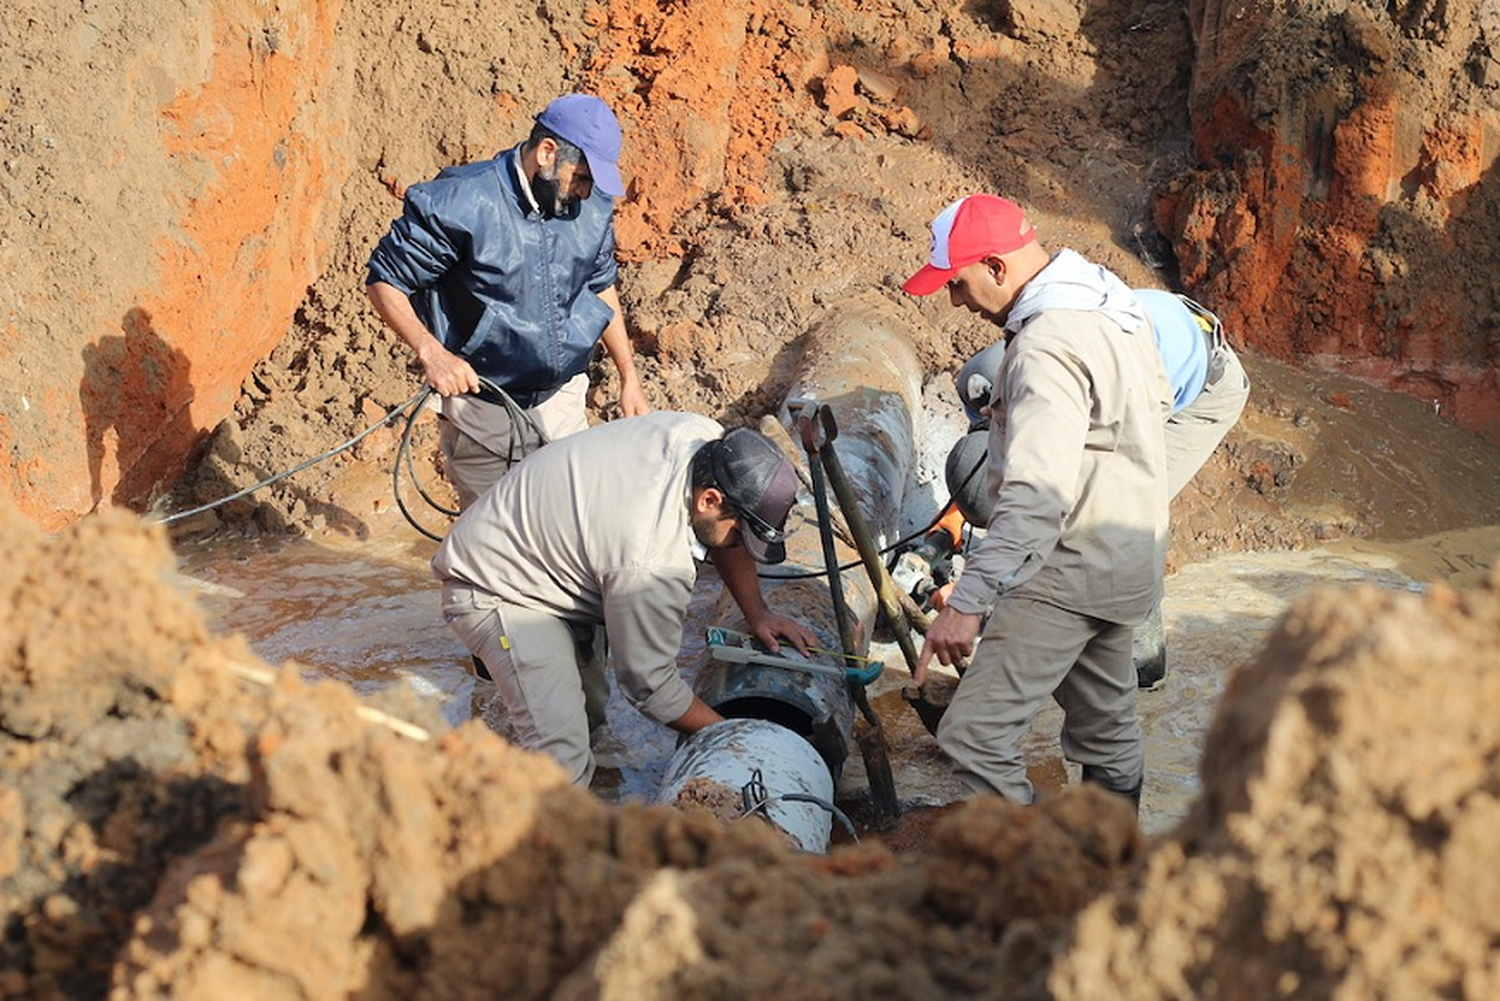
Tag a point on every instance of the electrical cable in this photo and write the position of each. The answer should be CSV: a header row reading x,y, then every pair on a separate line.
x,y
403,453
520,419
756,798
893,547
804,797
295,469
412,407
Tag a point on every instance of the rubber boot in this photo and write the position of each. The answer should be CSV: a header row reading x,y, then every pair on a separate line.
x,y
1148,649
1096,776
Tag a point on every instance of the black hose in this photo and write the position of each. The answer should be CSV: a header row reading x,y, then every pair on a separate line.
x,y
760,805
403,454
295,469
893,547
519,420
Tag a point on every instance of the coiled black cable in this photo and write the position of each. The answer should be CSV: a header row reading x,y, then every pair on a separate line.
x,y
519,447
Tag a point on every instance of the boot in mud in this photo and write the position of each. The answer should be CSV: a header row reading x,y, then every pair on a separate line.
x,y
1148,649
1097,777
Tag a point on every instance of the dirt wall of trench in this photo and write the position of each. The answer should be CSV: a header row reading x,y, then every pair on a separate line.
x,y
165,170
1342,211
193,186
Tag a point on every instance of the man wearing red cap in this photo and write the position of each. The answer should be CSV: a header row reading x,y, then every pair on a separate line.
x,y
1076,541
505,269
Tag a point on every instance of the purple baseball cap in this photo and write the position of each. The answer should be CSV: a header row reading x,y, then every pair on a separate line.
x,y
586,122
759,484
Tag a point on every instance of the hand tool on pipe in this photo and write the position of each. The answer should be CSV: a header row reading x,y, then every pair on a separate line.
x,y
817,433
737,648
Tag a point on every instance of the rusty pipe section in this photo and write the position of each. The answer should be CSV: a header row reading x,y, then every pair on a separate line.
x,y
859,360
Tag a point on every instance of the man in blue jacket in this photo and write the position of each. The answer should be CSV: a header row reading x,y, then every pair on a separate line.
x,y
505,269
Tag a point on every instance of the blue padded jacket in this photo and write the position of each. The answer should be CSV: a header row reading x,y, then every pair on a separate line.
x,y
512,291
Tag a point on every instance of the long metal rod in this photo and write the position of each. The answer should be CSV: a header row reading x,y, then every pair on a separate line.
x,y
830,556
880,578
885,802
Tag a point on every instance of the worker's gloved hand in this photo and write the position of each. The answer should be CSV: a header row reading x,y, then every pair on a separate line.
x,y
770,626
950,638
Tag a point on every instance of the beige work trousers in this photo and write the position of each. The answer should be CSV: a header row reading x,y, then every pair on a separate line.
x,y
550,672
1195,431
479,447
1029,650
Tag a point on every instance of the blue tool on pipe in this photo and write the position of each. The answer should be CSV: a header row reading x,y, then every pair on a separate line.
x,y
739,648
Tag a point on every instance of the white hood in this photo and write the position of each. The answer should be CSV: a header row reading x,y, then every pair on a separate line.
x,y
1072,281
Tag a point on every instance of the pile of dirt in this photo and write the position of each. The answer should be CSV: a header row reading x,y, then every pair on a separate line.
x,y
1345,841
171,826
122,744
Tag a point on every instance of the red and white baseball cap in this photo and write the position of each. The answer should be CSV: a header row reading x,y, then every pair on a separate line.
x,y
969,230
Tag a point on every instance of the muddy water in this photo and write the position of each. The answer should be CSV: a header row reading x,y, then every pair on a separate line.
x,y
366,613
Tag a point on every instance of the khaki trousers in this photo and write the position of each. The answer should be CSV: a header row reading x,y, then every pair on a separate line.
x,y
477,440
1195,431
1031,650
550,672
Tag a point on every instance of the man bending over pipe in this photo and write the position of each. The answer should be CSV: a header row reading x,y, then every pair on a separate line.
x,y
1073,556
605,528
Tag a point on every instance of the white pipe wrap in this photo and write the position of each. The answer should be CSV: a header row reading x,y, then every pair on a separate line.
x,y
713,767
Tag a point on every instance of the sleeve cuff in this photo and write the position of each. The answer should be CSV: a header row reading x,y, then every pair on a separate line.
x,y
667,704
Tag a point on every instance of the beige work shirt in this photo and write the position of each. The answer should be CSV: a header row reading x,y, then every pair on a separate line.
x,y
1077,471
595,529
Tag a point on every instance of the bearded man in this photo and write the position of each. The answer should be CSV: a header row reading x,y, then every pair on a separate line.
x,y
505,269
598,538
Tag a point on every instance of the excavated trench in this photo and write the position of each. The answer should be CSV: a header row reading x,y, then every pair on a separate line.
x,y
197,833
363,611
1321,798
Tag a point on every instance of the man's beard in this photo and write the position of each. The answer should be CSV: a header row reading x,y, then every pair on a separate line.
x,y
548,197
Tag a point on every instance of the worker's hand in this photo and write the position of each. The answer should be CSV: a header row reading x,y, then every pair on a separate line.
x,y
950,638
447,373
938,599
769,626
633,397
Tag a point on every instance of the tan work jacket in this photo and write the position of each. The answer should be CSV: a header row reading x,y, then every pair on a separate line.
x,y
594,529
1077,471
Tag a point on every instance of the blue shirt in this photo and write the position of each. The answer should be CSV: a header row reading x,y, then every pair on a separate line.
x,y
1180,340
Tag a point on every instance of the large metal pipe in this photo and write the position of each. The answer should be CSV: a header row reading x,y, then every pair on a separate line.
x,y
860,361
763,767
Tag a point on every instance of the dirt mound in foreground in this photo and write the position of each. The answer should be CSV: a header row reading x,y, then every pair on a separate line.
x,y
170,827
1346,840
